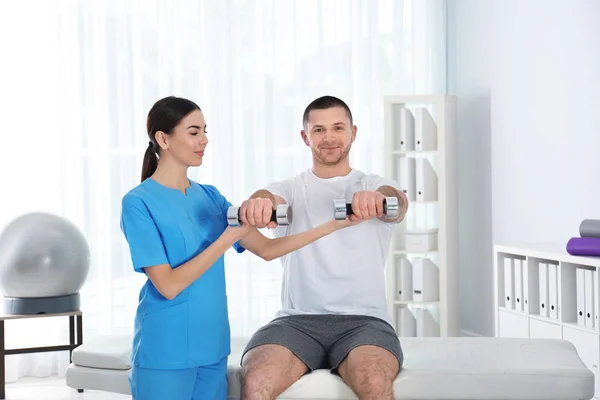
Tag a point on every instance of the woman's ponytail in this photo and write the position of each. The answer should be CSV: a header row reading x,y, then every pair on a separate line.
x,y
150,162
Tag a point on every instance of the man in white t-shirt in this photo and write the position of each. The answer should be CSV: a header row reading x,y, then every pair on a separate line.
x,y
334,312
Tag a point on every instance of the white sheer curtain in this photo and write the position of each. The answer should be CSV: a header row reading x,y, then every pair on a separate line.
x,y
78,77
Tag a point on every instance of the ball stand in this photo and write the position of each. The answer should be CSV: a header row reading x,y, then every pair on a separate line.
x,y
41,305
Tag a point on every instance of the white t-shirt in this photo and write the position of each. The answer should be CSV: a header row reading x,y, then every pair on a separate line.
x,y
341,273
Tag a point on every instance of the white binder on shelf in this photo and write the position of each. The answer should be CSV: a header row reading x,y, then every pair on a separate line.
x,y
426,181
407,176
426,324
407,323
543,286
404,279
425,130
404,128
588,277
580,293
518,271
509,288
530,289
425,280
553,290
596,302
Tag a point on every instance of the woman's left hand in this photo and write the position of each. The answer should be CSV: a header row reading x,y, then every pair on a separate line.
x,y
344,223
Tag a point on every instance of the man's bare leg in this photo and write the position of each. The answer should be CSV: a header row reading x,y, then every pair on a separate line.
x,y
370,372
268,370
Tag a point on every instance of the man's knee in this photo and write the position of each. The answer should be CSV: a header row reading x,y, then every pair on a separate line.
x,y
370,370
375,382
267,370
255,370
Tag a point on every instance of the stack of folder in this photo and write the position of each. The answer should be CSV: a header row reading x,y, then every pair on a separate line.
x,y
588,244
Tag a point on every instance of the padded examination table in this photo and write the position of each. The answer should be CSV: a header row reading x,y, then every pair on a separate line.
x,y
462,368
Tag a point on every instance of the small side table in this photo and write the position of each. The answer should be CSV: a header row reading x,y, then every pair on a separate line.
x,y
75,339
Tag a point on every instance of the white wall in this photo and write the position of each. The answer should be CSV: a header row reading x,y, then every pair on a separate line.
x,y
527,74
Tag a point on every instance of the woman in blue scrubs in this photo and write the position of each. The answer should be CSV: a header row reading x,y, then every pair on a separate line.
x,y
177,234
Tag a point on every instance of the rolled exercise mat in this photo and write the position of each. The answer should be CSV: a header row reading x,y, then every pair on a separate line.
x,y
590,228
583,246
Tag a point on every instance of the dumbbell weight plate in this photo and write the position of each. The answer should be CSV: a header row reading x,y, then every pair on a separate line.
x,y
390,207
341,209
284,214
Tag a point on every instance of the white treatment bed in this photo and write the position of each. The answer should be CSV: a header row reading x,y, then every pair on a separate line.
x,y
460,368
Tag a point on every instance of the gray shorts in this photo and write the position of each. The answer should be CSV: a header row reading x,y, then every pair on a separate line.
x,y
324,341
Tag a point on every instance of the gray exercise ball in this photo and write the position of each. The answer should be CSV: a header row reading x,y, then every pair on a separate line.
x,y
42,255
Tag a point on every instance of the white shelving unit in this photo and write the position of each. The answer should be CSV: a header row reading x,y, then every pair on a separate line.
x,y
422,267
541,291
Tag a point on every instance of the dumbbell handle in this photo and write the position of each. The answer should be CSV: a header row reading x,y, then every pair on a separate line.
x,y
282,215
341,209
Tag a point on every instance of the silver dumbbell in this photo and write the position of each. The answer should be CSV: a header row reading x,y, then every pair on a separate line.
x,y
282,215
341,209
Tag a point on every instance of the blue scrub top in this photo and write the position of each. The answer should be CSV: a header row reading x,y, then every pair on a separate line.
x,y
165,226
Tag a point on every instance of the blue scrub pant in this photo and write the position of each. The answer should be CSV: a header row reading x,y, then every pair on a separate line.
x,y
208,382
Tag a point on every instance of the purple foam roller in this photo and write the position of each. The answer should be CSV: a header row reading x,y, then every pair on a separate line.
x,y
584,246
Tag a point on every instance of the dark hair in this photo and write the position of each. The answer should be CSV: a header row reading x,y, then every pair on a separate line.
x,y
164,116
323,103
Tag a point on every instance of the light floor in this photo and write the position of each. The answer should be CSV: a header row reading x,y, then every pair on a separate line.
x,y
53,388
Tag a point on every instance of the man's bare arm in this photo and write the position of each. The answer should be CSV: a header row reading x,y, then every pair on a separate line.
x,y
265,194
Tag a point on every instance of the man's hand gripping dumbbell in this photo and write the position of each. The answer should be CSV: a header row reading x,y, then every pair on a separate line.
x,y
259,212
366,205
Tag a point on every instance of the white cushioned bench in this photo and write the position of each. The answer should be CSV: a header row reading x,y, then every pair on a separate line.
x,y
434,368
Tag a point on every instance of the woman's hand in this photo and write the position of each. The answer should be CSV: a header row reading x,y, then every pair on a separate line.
x,y
235,233
344,223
